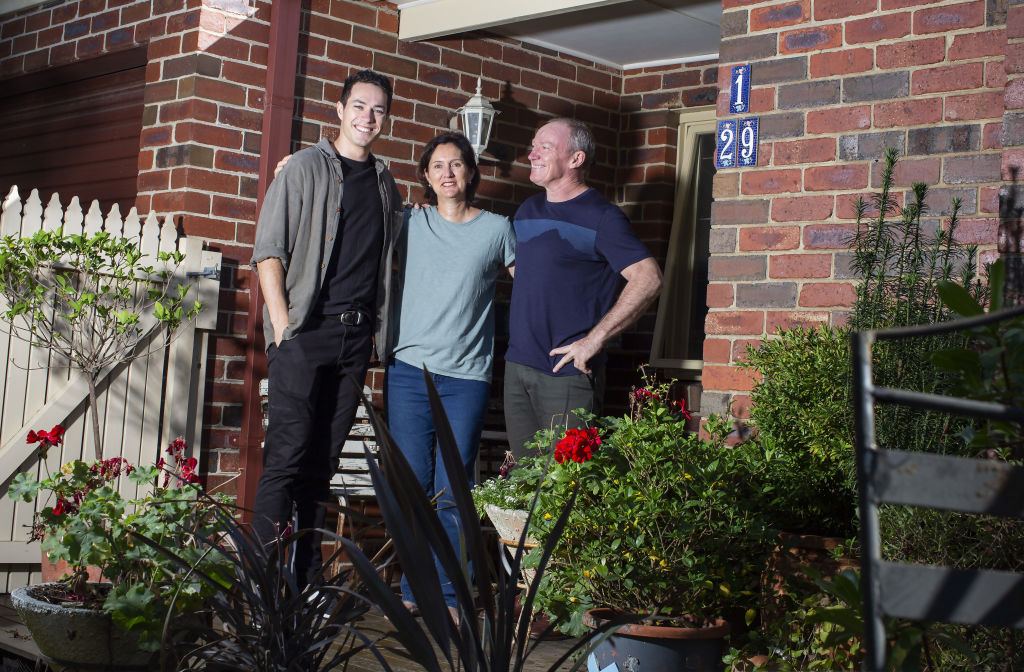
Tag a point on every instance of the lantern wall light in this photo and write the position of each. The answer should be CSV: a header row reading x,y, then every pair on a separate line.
x,y
477,117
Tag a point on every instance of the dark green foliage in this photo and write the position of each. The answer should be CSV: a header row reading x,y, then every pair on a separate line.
x,y
912,277
801,410
270,623
901,264
258,617
497,638
990,367
665,523
819,625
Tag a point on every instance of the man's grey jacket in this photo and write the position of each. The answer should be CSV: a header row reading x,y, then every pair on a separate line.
x,y
299,225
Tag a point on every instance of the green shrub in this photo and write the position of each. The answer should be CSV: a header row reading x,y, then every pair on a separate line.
x,y
665,523
901,263
801,408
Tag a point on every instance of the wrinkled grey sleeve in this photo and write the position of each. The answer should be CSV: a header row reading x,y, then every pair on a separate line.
x,y
281,208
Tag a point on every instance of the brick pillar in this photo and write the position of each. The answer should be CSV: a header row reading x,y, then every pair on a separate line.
x,y
833,83
198,164
1011,196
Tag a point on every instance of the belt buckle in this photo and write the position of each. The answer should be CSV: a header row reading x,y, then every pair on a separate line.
x,y
350,318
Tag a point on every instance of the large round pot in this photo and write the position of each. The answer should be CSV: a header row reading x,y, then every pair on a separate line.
x,y
78,638
656,648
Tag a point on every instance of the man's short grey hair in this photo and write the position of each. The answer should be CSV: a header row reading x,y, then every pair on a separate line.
x,y
581,139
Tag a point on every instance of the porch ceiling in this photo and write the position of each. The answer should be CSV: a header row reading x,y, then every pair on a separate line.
x,y
620,33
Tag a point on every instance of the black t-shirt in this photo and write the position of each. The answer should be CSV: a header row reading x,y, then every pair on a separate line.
x,y
351,280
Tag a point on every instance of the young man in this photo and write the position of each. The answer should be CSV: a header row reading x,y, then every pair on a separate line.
x,y
323,253
572,248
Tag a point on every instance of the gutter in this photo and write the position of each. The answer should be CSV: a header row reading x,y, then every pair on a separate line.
x,y
278,106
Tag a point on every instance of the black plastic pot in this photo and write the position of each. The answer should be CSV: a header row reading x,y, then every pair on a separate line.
x,y
655,648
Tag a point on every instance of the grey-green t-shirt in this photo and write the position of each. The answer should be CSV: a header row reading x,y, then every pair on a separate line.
x,y
445,305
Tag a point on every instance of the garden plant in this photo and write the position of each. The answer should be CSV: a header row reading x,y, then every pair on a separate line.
x,y
85,521
664,525
91,299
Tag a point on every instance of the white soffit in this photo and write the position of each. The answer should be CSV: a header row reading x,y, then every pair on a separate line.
x,y
424,19
11,6
623,34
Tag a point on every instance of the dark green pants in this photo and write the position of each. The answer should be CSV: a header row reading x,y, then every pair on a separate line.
x,y
537,400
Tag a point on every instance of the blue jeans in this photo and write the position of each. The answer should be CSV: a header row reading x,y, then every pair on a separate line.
x,y
411,425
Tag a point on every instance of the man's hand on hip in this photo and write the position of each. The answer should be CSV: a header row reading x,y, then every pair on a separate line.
x,y
578,353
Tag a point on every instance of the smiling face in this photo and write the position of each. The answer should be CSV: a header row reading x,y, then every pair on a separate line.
x,y
362,120
447,173
551,162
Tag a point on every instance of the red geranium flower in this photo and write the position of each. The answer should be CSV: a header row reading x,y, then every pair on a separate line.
x,y
188,470
54,437
577,445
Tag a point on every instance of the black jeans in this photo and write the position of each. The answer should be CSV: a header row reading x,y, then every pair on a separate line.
x,y
312,404
536,400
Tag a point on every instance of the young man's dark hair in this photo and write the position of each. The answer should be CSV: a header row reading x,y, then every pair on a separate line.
x,y
468,158
369,77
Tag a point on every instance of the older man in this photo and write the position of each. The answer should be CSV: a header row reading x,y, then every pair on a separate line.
x,y
573,246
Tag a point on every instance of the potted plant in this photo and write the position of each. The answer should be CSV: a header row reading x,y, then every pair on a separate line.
x,y
665,530
93,300
506,498
86,521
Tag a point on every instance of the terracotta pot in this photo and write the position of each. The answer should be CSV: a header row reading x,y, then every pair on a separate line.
x,y
657,648
805,550
74,637
52,572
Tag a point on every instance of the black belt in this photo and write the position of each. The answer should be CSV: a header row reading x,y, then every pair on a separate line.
x,y
349,318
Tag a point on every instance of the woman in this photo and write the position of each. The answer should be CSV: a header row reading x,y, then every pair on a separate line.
x,y
450,255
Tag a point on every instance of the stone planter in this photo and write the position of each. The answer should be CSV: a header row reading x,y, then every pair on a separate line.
x,y
656,648
74,638
509,524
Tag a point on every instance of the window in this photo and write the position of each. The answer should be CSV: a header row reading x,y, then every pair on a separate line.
x,y
679,331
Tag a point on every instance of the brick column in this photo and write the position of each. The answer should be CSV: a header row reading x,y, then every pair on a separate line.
x,y
1011,196
198,163
835,82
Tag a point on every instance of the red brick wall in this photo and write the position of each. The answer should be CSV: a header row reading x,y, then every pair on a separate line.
x,y
199,145
833,84
1011,233
202,128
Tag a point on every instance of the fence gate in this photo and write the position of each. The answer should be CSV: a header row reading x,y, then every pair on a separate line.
x,y
143,404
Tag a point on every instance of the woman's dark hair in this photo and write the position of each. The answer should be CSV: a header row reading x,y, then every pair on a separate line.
x,y
468,157
366,77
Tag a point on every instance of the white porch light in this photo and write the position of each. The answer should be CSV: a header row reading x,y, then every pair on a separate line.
x,y
477,120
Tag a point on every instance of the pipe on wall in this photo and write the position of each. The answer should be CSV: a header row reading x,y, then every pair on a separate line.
x,y
278,106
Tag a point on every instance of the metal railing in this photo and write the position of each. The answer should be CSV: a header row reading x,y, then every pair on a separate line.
x,y
978,486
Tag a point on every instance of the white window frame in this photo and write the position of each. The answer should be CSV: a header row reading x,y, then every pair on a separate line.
x,y
680,257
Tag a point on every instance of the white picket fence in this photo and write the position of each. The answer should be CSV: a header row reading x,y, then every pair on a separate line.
x,y
143,404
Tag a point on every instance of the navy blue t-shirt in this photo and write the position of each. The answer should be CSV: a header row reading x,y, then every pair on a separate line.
x,y
569,256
